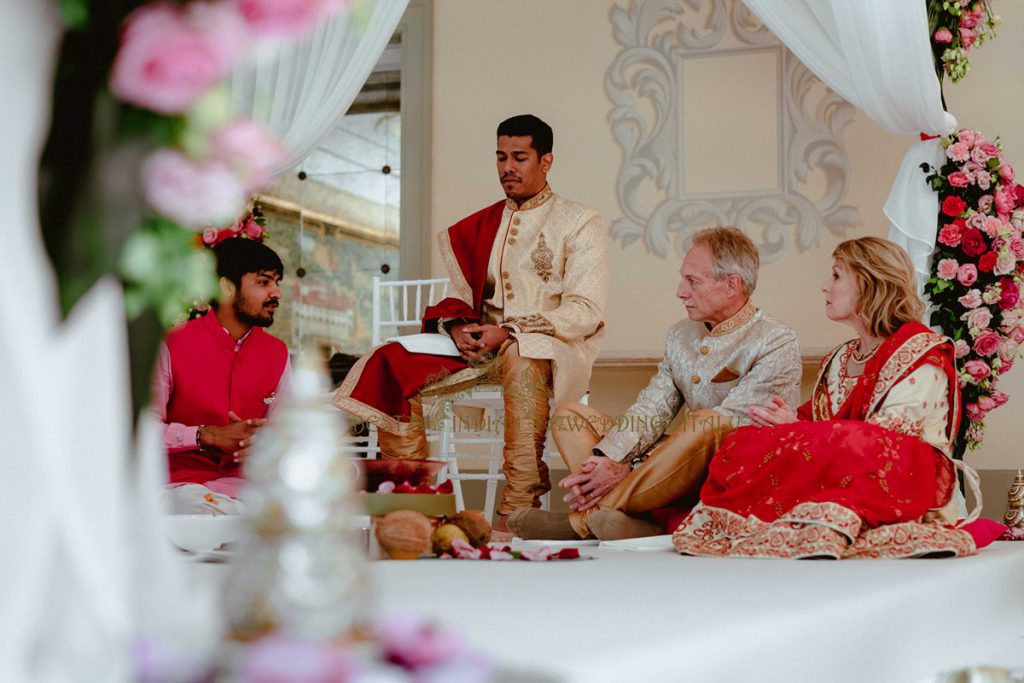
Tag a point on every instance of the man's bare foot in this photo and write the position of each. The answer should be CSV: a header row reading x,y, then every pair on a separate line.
x,y
500,532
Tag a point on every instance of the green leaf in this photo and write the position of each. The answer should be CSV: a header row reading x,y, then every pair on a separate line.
x,y
75,14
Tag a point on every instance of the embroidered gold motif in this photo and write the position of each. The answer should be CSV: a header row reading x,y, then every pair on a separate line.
x,y
542,259
534,323
735,322
531,203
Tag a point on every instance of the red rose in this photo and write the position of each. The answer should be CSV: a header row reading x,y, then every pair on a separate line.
x,y
1010,293
973,243
987,261
953,206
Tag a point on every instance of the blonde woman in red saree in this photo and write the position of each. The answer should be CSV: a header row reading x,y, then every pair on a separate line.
x,y
863,468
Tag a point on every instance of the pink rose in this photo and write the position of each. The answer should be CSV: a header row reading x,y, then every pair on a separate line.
x,y
1009,294
253,229
974,412
967,275
1006,172
1017,248
958,151
1007,350
962,348
1005,202
943,36
986,343
1000,397
989,148
1006,263
992,226
978,318
985,203
972,299
979,155
280,659
966,135
950,235
967,37
1017,335
977,369
986,403
170,55
209,235
958,179
947,268
971,169
968,20
976,221
250,149
285,17
983,179
193,193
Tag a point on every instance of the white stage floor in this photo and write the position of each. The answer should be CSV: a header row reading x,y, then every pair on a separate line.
x,y
657,616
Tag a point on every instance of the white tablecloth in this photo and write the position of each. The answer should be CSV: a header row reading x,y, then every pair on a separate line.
x,y
657,616
662,617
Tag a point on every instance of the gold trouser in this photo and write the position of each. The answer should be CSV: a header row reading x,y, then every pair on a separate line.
x,y
526,385
675,468
412,445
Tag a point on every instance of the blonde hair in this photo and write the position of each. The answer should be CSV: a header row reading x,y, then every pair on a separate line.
x,y
886,286
734,254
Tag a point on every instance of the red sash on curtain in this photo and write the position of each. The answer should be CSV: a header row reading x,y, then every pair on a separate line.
x,y
380,385
831,485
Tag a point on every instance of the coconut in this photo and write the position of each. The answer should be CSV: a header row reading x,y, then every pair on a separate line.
x,y
404,534
476,528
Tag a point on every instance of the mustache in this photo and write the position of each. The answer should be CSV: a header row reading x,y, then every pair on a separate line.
x,y
509,176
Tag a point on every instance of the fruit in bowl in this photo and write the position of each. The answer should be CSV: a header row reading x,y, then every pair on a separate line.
x,y
202,533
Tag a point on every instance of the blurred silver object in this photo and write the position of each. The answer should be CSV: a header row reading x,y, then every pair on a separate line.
x,y
982,674
301,569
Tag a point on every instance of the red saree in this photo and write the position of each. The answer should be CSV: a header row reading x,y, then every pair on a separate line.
x,y
833,484
380,384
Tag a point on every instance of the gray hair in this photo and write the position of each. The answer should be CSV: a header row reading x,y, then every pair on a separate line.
x,y
734,254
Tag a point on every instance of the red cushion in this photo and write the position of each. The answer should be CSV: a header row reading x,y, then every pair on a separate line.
x,y
984,531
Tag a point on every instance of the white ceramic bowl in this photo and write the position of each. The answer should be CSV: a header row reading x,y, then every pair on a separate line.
x,y
202,533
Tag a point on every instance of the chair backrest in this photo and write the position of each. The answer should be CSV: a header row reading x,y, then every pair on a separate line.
x,y
398,305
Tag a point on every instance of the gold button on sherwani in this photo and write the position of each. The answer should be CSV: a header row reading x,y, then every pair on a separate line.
x,y
705,350
695,379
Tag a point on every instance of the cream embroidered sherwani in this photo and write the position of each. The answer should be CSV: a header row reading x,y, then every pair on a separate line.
x,y
547,280
743,361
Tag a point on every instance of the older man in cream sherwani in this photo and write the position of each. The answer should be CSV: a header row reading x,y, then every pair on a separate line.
x,y
529,276
726,357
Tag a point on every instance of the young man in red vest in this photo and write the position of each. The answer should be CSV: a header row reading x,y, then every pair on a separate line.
x,y
218,378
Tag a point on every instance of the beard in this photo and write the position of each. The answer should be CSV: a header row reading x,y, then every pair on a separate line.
x,y
260,316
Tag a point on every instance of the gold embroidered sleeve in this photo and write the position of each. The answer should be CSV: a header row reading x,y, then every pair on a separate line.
x,y
535,324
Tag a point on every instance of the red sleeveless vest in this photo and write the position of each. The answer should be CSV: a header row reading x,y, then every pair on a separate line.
x,y
211,379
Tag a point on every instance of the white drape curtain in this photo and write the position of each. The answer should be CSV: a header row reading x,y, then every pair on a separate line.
x,y
300,90
876,54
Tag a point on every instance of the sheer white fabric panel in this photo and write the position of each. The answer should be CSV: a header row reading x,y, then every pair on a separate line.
x,y
876,54
300,90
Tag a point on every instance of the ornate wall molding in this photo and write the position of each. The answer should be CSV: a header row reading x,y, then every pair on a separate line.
x,y
646,87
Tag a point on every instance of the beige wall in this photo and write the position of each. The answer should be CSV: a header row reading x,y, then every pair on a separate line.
x,y
494,58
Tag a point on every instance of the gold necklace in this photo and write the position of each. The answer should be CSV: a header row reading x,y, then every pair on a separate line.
x,y
866,356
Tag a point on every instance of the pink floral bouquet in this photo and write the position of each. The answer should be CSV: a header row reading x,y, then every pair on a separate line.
x,y
956,26
978,270
253,226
